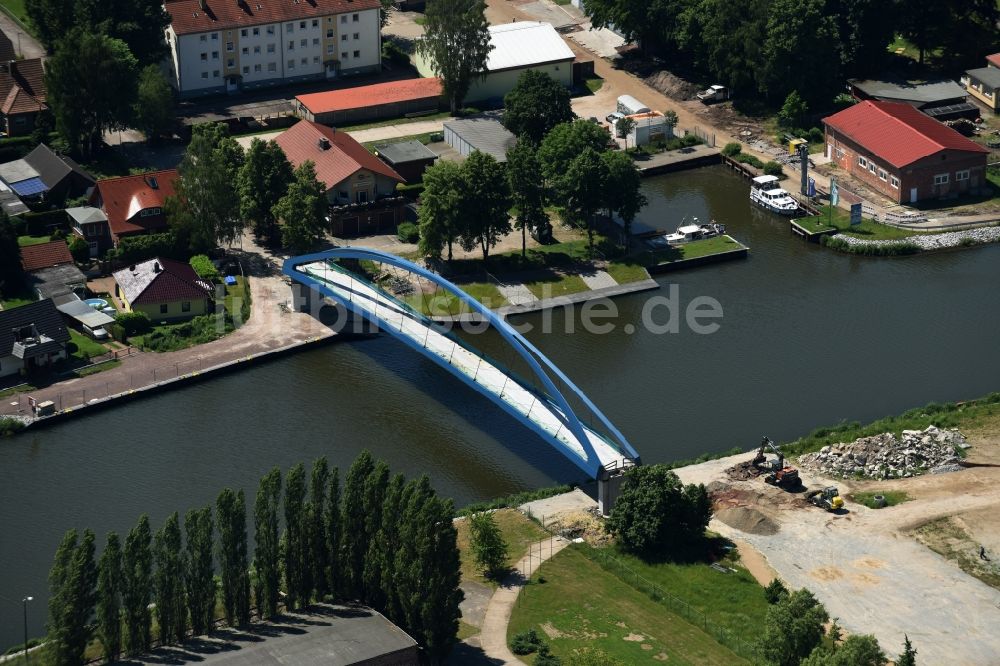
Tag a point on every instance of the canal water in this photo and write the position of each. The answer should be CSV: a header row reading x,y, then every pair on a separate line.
x,y
808,338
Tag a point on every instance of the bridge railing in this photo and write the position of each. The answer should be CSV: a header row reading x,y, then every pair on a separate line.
x,y
423,319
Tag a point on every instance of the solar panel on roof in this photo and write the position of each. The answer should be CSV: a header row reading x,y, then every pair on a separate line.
x,y
27,188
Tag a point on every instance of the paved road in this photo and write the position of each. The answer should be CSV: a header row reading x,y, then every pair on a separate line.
x,y
24,43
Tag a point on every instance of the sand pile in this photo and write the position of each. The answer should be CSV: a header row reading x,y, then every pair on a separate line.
x,y
747,520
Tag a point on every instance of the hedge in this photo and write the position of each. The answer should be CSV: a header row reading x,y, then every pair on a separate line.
x,y
204,267
38,224
141,248
408,233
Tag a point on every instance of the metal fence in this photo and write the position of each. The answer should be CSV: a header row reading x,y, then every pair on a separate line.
x,y
707,137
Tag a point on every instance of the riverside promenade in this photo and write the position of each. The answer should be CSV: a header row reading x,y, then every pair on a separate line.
x,y
273,328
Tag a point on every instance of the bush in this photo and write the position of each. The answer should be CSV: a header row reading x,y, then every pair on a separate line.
x,y
750,159
772,168
133,323
546,658
10,426
408,233
204,267
816,135
134,249
525,642
394,53
732,149
775,591
80,249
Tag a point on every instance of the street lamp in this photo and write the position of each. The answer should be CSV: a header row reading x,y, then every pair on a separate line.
x,y
24,603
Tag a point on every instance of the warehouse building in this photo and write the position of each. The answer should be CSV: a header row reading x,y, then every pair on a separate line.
x,y
393,99
483,134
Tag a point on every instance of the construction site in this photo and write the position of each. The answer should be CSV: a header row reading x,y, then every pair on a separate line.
x,y
894,534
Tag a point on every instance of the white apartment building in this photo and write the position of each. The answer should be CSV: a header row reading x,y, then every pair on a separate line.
x,y
231,45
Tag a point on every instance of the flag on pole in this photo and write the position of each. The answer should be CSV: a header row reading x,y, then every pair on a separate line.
x,y
834,192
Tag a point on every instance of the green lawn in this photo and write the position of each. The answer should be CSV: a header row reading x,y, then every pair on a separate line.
x,y
25,241
16,7
892,497
814,223
868,229
84,348
624,272
519,532
693,250
14,390
581,605
94,369
17,300
556,284
440,304
594,84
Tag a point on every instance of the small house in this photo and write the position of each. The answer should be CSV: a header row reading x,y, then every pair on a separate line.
x,y
983,83
133,205
22,95
32,337
164,289
91,224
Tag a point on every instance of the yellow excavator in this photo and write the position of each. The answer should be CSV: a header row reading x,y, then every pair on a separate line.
x,y
775,471
828,498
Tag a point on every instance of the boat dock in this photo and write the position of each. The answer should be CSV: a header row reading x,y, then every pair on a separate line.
x,y
678,160
697,253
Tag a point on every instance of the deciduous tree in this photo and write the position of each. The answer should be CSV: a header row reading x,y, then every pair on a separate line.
x,y
566,142
261,182
109,598
137,587
456,42
200,575
301,210
266,539
535,105
622,188
801,51
527,190
296,543
230,513
355,526
439,215
154,105
581,190
72,581
856,650
488,544
91,87
485,203
793,628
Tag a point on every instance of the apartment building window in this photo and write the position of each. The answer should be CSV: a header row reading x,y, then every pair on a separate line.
x,y
215,55
256,68
204,75
315,23
272,67
303,43
357,35
291,64
230,62
343,18
329,49
305,61
246,69
961,175
229,46
862,162
204,38
302,25
882,174
343,37
291,45
270,29
315,60
204,56
357,54
343,55
215,36
270,48
894,182
215,74
256,49
244,33
354,17
941,179
329,33
290,27
256,32
246,50
315,41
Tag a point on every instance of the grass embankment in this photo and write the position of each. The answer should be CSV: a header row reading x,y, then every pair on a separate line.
x,y
964,416
518,531
443,304
692,250
892,498
17,9
581,605
83,348
950,540
867,230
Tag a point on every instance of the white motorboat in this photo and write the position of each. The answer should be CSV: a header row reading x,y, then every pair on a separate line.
x,y
694,231
764,192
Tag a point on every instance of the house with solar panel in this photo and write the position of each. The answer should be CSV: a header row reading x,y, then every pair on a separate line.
x,y
43,175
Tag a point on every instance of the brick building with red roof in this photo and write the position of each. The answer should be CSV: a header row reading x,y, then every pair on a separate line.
x,y
902,153
22,95
231,45
134,204
360,188
391,99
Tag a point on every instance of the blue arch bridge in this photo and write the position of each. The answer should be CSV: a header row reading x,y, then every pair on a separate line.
x,y
540,405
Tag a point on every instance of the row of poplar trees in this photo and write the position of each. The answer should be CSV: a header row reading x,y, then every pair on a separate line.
x,y
385,542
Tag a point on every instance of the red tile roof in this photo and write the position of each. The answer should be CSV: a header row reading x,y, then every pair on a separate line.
x,y
342,159
45,255
378,93
160,281
22,86
122,198
994,59
187,16
898,133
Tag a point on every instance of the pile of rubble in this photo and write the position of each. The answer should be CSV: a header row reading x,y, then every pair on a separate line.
x,y
887,457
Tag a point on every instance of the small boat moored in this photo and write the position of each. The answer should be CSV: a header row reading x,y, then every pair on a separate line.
x,y
690,232
764,192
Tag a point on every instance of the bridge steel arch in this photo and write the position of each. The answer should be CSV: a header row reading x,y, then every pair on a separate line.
x,y
539,364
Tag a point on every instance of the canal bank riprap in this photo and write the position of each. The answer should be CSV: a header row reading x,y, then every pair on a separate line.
x,y
929,242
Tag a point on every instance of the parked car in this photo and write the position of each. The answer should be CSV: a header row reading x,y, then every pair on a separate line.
x,y
614,117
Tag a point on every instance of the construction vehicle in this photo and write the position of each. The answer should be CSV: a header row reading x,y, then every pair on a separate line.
x,y
775,471
828,498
